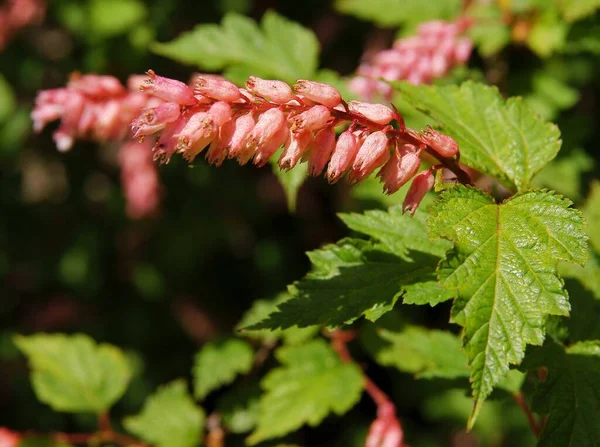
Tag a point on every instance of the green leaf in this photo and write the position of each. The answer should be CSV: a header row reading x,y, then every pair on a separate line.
x,y
548,34
573,10
113,17
239,408
397,12
311,383
489,32
591,211
504,139
8,101
169,418
72,373
349,279
570,395
218,364
260,310
290,181
426,353
503,270
279,48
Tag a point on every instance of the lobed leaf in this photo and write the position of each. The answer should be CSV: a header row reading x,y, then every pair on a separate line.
x,y
504,139
169,418
218,364
503,271
279,48
311,383
72,373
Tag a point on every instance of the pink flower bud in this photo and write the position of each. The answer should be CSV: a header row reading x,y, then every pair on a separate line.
x,y
320,150
442,144
313,119
295,147
400,168
372,154
378,113
220,113
217,88
153,120
420,186
166,145
266,151
318,92
462,50
264,134
168,89
217,152
195,135
275,91
243,126
344,154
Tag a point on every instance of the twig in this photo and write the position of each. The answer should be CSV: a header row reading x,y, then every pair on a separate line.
x,y
520,400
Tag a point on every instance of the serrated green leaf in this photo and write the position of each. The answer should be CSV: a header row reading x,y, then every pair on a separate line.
x,y
279,48
72,373
311,383
218,364
503,270
504,139
169,418
426,353
239,408
570,395
398,12
260,310
352,278
591,211
573,10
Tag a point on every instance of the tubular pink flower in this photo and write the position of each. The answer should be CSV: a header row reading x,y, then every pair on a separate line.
x,y
442,144
314,119
318,92
275,91
168,89
378,113
266,133
198,132
217,151
320,150
217,88
372,154
295,146
421,185
345,151
166,145
155,119
270,146
243,126
400,168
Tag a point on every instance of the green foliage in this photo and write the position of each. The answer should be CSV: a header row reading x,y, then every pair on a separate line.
x,y
279,48
169,418
428,354
397,12
564,175
239,408
591,211
570,395
8,102
72,373
489,32
501,138
503,270
311,383
218,364
573,10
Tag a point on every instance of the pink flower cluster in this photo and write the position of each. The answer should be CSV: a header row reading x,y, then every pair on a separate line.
x,y
91,107
17,14
100,108
139,178
431,53
252,123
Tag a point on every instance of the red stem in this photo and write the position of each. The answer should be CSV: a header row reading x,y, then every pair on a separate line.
x,y
535,427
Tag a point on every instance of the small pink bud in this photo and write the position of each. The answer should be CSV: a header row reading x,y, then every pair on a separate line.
x,y
266,131
275,91
420,186
343,155
318,92
313,119
462,50
372,154
153,120
166,145
64,139
217,152
320,150
243,126
442,144
295,147
195,135
266,151
217,88
220,113
168,89
378,113
400,168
